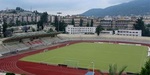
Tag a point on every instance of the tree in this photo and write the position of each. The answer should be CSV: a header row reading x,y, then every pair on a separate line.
x,y
19,9
146,69
43,20
139,25
91,22
56,23
99,29
4,29
11,23
72,22
81,23
50,30
36,12
13,11
62,26
39,25
88,24
18,23
147,32
113,70
10,74
148,25
33,29
44,17
0,31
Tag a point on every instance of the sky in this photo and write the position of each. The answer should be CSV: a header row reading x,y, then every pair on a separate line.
x,y
67,7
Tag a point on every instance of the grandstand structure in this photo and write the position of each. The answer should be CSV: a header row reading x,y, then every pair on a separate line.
x,y
29,41
105,37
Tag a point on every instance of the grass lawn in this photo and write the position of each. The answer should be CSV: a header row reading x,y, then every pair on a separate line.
x,y
83,54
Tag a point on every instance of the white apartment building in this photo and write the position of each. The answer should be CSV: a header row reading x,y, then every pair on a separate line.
x,y
80,30
38,18
29,18
20,18
128,32
52,18
25,18
33,18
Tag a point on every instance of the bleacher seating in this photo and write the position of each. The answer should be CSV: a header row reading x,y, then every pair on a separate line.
x,y
36,42
50,40
27,43
15,46
47,40
105,38
11,46
23,43
22,47
3,50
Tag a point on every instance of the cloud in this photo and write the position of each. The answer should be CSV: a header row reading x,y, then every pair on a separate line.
x,y
66,6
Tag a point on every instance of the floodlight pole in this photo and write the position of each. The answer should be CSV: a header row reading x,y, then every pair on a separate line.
x,y
93,67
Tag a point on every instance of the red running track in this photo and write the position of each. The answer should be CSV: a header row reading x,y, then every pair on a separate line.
x,y
44,69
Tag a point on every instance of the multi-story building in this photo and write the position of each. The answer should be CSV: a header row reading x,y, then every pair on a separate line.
x,y
80,30
38,18
20,16
34,18
117,24
29,18
146,19
68,20
85,20
77,22
106,24
49,18
123,24
96,22
25,18
128,32
52,18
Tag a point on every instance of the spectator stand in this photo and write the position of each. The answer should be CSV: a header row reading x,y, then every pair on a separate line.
x,y
25,41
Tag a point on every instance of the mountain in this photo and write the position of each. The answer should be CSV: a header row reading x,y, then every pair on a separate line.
x,y
136,7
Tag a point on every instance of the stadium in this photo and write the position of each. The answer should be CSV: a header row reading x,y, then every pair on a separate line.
x,y
72,54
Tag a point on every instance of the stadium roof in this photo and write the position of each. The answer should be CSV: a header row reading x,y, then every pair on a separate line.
x,y
29,35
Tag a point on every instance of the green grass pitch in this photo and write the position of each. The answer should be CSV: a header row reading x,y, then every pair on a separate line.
x,y
102,55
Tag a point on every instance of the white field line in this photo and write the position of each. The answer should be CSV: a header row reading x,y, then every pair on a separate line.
x,y
99,42
125,44
138,44
148,51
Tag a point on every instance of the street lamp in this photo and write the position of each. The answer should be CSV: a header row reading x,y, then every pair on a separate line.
x,y
93,67
58,19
